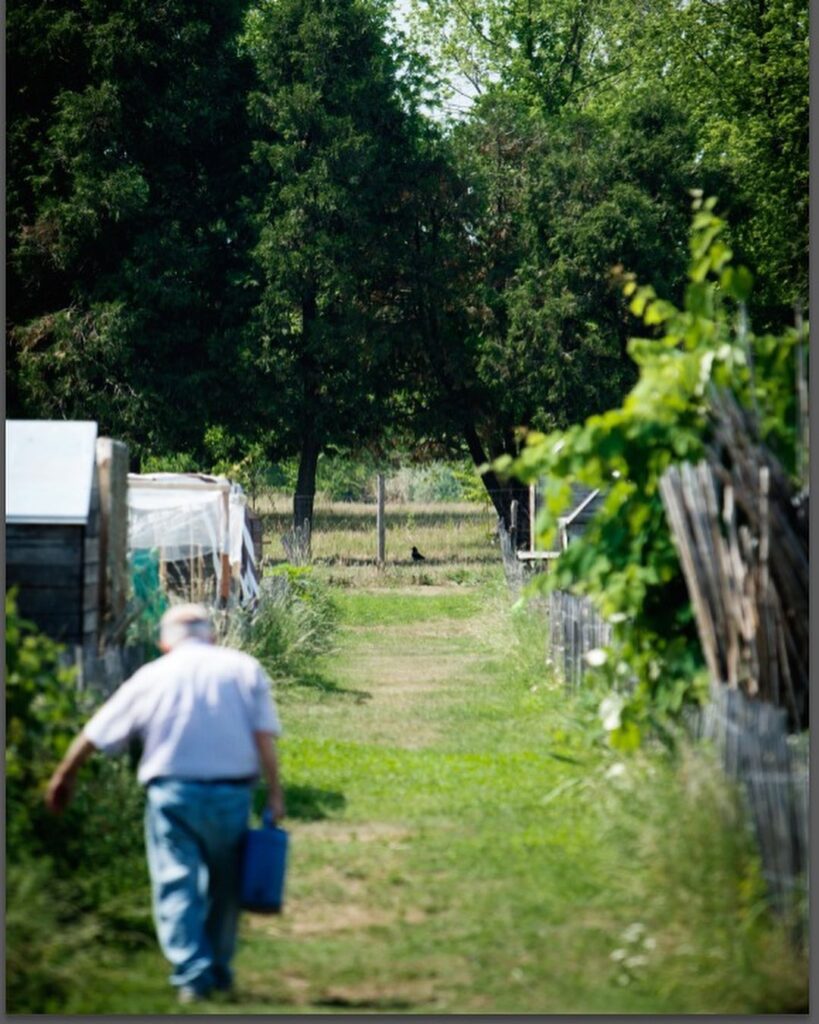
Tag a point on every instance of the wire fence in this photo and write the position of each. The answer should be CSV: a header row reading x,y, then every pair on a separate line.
x,y
418,534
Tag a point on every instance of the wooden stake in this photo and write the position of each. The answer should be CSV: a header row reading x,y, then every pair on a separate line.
x,y
379,520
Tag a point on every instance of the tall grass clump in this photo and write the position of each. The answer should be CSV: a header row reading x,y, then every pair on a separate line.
x,y
686,876
293,622
76,886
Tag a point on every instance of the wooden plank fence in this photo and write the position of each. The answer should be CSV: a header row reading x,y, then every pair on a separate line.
x,y
575,628
771,767
742,535
753,744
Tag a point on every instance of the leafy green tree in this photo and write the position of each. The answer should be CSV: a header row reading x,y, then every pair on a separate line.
x,y
127,142
548,53
517,309
334,128
741,69
566,186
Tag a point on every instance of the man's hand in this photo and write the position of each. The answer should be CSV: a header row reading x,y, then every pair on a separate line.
x,y
266,746
276,805
59,792
60,788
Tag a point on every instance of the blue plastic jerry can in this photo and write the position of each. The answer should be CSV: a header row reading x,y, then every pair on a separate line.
x,y
264,863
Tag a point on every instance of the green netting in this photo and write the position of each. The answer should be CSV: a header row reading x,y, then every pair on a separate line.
x,y
149,597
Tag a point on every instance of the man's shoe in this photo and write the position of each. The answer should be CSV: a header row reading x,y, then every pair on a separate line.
x,y
188,994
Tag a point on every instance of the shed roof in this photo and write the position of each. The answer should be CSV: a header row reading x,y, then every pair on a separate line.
x,y
49,470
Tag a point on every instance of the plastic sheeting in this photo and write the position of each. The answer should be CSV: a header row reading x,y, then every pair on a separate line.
x,y
242,559
185,516
178,514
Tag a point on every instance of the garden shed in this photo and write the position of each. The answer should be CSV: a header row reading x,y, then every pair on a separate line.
x,y
53,528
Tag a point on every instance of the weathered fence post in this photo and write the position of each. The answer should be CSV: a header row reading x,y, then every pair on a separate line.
x,y
513,525
379,519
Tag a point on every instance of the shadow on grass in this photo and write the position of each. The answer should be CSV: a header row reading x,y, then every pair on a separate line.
x,y
309,803
311,679
374,1003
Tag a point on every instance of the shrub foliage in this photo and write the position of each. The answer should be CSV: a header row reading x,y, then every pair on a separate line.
x,y
626,561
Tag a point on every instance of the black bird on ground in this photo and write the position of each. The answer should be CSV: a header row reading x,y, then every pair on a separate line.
x,y
416,555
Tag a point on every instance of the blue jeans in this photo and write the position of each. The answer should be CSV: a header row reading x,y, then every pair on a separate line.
x,y
193,836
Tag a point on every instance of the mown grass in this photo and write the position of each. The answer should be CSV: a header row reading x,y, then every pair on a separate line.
x,y
478,854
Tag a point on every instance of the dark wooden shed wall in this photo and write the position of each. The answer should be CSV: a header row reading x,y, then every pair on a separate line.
x,y
56,570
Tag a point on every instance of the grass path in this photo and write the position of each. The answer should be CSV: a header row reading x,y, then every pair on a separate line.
x,y
448,853
411,889
459,846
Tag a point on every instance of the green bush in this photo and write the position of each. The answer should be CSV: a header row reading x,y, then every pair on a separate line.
x,y
294,622
173,462
75,883
430,483
343,478
43,710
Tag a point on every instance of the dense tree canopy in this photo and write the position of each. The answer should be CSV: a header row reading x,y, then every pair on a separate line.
x,y
335,147
233,224
127,141
740,68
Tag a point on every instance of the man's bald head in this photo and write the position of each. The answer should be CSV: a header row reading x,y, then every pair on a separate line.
x,y
184,622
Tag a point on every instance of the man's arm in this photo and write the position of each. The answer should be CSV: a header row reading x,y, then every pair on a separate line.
x,y
266,746
61,785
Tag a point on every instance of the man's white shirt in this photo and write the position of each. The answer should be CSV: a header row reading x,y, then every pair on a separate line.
x,y
195,711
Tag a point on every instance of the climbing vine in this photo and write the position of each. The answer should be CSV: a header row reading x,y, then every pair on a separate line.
x,y
626,562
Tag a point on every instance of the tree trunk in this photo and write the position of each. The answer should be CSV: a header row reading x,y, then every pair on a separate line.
x,y
306,484
501,494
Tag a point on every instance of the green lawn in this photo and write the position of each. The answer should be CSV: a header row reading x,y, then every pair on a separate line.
x,y
462,844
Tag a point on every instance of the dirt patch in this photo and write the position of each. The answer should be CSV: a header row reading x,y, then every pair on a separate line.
x,y
405,689
371,995
309,920
363,832
419,669
328,919
375,668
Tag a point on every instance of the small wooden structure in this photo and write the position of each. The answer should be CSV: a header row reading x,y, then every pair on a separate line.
x,y
583,504
112,468
53,528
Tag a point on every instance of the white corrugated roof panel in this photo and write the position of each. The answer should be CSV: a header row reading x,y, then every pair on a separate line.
x,y
49,470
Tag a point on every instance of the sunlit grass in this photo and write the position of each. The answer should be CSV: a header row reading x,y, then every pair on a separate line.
x,y
480,851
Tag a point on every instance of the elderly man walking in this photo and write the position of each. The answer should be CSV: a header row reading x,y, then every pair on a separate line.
x,y
207,723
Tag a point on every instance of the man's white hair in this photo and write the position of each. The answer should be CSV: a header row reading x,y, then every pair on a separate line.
x,y
183,622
